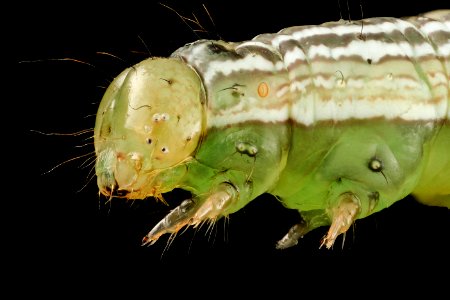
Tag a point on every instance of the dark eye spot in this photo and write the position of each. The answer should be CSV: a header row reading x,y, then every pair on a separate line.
x,y
375,165
105,129
108,130
369,61
149,141
165,150
169,81
165,117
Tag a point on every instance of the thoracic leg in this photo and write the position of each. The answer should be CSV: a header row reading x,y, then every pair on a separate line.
x,y
341,216
310,220
194,212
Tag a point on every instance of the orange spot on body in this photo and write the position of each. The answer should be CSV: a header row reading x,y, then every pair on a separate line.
x,y
263,89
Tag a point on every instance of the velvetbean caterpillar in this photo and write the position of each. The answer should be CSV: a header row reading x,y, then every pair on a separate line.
x,y
338,121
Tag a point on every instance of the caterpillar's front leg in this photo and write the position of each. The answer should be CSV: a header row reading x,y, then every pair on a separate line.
x,y
193,212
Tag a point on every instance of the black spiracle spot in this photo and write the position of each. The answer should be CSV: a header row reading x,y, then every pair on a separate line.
x,y
216,48
223,51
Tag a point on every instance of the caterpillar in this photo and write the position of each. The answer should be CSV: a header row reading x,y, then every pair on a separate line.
x,y
338,121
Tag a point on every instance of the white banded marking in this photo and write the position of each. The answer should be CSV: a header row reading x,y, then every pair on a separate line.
x,y
444,50
332,82
435,26
311,110
262,114
343,29
247,63
258,44
371,49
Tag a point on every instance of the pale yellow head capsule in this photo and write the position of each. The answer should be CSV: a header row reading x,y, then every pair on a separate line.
x,y
150,121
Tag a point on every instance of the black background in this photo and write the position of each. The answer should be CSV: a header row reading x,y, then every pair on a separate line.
x,y
62,235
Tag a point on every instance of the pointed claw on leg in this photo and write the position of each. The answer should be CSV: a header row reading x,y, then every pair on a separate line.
x,y
172,222
309,220
215,204
343,216
294,234
190,213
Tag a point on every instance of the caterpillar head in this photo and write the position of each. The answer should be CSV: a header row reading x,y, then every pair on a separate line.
x,y
149,124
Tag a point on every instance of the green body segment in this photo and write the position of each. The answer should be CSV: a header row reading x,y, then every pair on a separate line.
x,y
335,124
251,174
329,157
433,187
309,173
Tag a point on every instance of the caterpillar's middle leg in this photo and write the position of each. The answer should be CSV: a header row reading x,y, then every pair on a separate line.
x,y
341,216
